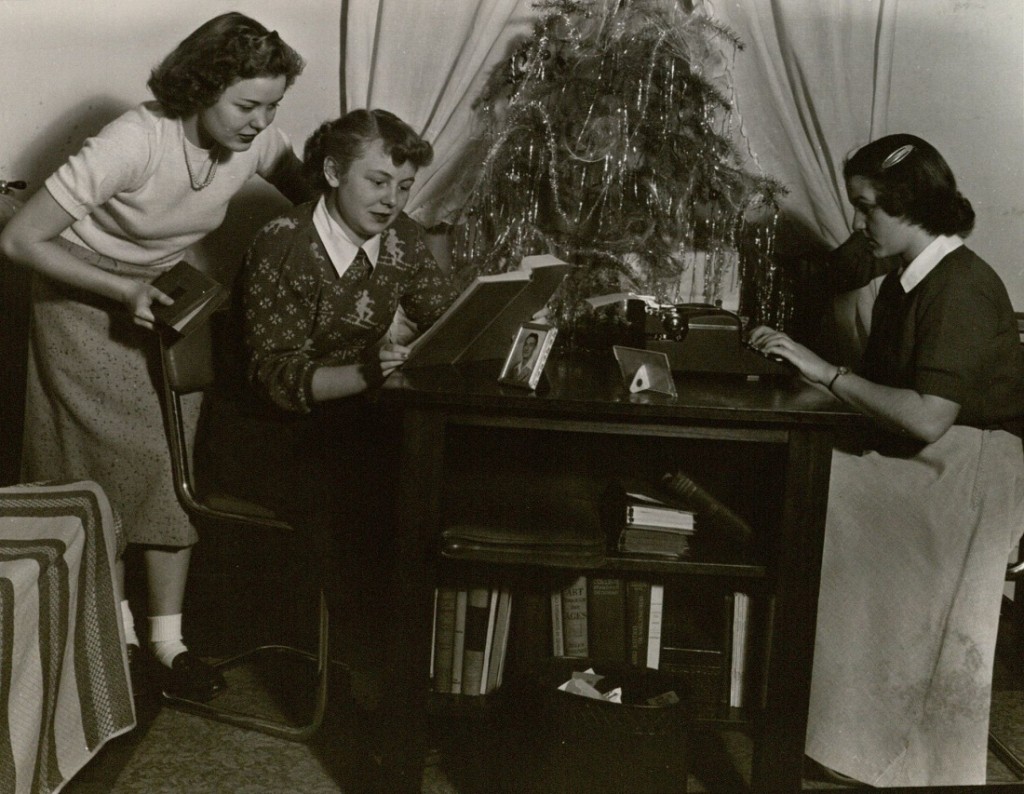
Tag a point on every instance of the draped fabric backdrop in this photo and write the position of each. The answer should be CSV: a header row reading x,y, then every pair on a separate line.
x,y
426,63
812,85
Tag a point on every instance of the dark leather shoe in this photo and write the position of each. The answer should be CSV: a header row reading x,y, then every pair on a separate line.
x,y
190,678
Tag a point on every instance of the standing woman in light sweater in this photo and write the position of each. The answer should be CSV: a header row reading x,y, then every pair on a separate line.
x,y
118,213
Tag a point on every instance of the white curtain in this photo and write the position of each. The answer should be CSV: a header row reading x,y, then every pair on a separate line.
x,y
426,62
812,85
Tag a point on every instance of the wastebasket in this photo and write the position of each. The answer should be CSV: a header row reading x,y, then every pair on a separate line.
x,y
581,745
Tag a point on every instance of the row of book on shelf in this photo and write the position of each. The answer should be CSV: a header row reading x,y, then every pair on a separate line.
x,y
470,638
597,617
630,621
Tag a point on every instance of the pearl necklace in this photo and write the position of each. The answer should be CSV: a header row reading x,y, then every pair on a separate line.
x,y
210,174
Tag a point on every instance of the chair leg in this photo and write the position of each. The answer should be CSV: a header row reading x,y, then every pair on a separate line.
x,y
278,728
1016,619
1006,755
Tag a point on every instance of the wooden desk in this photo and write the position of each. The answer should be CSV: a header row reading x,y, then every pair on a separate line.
x,y
724,422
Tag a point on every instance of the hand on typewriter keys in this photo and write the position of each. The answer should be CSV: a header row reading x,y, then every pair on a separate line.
x,y
770,356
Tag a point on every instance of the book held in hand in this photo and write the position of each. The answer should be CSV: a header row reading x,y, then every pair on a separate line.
x,y
195,295
482,321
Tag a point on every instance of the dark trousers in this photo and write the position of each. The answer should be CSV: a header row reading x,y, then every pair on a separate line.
x,y
331,475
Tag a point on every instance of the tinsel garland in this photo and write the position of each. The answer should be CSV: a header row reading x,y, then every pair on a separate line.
x,y
607,141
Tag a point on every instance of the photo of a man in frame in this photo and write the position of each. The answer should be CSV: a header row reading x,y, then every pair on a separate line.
x,y
526,358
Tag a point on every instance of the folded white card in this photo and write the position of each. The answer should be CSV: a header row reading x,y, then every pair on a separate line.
x,y
645,370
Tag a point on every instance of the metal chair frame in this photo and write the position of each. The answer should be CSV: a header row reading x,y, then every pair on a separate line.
x,y
187,367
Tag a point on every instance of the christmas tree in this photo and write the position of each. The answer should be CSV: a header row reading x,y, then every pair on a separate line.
x,y
607,141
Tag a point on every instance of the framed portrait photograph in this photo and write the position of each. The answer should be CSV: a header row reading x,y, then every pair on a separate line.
x,y
525,361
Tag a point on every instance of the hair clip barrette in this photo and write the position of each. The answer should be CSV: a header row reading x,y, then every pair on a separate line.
x,y
897,156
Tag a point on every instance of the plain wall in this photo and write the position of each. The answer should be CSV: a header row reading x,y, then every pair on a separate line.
x,y
958,81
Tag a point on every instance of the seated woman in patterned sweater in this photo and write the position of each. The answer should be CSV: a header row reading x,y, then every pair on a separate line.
x,y
317,292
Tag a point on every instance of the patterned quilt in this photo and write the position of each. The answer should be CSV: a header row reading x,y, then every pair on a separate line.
x,y
64,685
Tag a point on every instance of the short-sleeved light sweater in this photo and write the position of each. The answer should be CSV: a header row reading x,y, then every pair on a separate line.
x,y
129,190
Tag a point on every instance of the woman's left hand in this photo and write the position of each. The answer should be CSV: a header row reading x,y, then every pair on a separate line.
x,y
776,343
392,356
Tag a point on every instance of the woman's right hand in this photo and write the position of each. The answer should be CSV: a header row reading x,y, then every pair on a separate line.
x,y
776,343
139,299
392,356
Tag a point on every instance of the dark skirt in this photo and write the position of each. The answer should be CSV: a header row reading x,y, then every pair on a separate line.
x,y
330,474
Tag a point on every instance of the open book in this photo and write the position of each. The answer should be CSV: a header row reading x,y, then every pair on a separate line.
x,y
481,323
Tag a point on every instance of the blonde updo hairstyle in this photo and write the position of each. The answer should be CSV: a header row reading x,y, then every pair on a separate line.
x,y
345,140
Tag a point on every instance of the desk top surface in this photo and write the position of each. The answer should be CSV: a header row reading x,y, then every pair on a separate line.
x,y
590,386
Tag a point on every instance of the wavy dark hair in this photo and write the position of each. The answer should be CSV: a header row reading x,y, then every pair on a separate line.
x,y
913,181
346,139
217,54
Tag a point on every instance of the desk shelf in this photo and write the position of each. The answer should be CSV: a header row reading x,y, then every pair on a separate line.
x,y
762,449
493,462
458,707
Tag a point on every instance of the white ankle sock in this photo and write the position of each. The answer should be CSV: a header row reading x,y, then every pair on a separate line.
x,y
128,622
165,637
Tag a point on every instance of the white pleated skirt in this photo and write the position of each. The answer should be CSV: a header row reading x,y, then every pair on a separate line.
x,y
911,585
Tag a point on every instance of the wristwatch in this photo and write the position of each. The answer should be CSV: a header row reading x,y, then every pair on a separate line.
x,y
839,371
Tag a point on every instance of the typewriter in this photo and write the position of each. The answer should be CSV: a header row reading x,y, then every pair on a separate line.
x,y
701,337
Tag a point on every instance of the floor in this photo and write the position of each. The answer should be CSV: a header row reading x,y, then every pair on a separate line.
x,y
174,752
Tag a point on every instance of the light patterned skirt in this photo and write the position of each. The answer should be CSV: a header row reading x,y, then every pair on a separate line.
x,y
92,409
911,584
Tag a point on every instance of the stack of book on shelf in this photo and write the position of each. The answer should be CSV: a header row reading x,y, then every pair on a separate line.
x,y
470,638
648,522
674,517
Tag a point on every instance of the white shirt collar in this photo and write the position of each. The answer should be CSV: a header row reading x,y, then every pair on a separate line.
x,y
340,247
926,261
